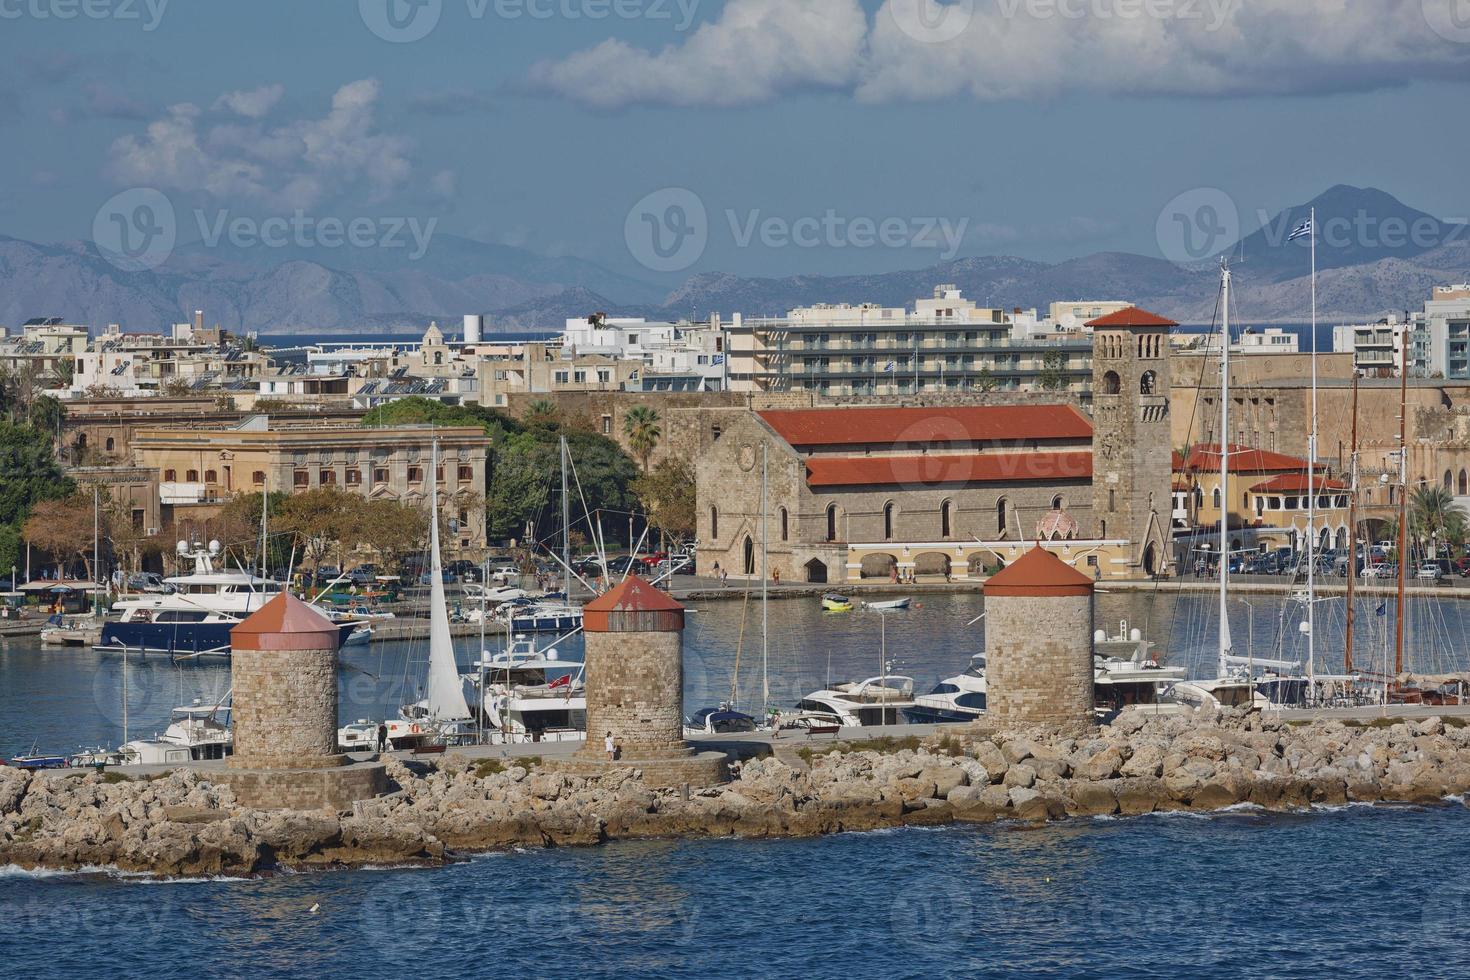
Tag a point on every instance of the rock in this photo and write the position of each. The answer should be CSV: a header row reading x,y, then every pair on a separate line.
x,y
975,772
1092,799
946,778
1138,795
964,794
992,758
1102,765
1147,760
1019,796
995,797
1015,751
13,783
914,788
1019,776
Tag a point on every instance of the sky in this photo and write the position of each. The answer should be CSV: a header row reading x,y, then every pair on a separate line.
x,y
661,138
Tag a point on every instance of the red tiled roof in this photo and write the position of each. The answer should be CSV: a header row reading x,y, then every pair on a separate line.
x,y
848,471
285,623
1205,458
1132,317
1296,483
1038,573
633,594
858,426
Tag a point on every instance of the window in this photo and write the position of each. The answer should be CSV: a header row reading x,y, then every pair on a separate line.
x,y
1147,383
784,523
210,476
111,443
831,522
258,478
380,475
607,425
354,477
415,474
327,477
1000,517
714,522
439,473
170,476
192,476
945,510
300,479
1215,498
1058,502
561,377
1112,501
888,521
466,474
1112,384
749,556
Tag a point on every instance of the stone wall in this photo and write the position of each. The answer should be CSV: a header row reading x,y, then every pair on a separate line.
x,y
1038,677
285,709
635,689
306,789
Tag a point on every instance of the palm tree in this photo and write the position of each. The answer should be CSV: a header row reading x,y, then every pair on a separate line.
x,y
1434,516
640,427
541,413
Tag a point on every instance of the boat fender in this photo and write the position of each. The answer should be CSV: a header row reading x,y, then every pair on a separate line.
x,y
414,730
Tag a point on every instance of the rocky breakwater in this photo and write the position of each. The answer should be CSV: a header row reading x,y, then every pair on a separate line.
x,y
181,824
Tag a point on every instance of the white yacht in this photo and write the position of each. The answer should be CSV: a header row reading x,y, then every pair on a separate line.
x,y
195,732
875,701
530,695
957,698
1127,673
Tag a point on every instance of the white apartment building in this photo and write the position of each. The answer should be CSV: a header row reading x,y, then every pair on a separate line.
x,y
1447,322
676,356
1378,348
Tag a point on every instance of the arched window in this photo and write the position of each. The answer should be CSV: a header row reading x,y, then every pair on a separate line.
x,y
945,512
1112,501
785,523
714,522
1464,483
749,556
1449,480
888,521
831,522
1104,532
1147,383
1215,498
1000,517
1112,384
1058,502
111,443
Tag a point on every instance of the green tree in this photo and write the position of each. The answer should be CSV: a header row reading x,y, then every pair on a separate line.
x,y
1053,371
320,518
63,528
392,529
640,427
47,414
667,495
1434,516
28,474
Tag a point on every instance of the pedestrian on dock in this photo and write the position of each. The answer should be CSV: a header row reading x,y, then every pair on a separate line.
x,y
610,746
776,576
382,736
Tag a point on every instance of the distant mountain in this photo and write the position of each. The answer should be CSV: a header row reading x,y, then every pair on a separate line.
x,y
1375,255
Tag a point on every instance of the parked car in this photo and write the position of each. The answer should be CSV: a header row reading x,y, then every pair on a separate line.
x,y
1461,567
1382,569
326,575
505,574
363,575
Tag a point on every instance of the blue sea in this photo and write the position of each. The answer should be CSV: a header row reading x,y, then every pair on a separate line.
x,y
1357,892
1354,892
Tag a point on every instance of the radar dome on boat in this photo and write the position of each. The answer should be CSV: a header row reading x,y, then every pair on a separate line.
x,y
183,548
551,654
214,547
1099,636
1135,634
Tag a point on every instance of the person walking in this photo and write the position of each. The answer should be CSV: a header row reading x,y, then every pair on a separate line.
x,y
382,737
612,749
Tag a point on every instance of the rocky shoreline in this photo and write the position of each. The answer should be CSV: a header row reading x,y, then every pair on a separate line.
x,y
182,825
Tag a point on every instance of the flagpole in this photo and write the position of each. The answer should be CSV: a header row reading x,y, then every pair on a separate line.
x,y
1312,484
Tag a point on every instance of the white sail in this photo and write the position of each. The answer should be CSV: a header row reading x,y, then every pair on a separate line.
x,y
445,699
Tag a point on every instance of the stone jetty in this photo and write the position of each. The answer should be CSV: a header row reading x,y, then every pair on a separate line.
x,y
182,824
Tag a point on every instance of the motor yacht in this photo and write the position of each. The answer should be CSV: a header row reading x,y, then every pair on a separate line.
x,y
957,698
875,701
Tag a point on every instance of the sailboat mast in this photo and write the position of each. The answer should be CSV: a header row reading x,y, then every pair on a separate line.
x,y
1224,632
96,547
765,620
1312,483
566,525
1398,642
1352,562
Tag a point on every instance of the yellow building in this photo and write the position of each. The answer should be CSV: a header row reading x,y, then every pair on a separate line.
x,y
1268,496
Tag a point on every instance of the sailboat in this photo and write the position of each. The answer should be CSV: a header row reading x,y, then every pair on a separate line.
x,y
443,715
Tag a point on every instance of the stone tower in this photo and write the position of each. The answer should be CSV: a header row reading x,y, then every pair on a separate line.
x,y
284,677
1038,676
635,687
1132,454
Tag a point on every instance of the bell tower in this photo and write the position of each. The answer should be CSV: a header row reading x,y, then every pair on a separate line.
x,y
1132,455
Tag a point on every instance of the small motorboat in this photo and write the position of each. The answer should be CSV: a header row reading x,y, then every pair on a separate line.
x,y
36,761
886,604
723,720
832,602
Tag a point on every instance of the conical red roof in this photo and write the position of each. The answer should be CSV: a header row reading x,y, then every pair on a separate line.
x,y
632,605
1038,573
1132,317
285,623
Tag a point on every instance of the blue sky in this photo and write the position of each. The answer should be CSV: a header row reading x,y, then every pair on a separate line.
x,y
1040,128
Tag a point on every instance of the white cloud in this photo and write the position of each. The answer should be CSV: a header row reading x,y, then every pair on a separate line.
x,y
252,104
755,51
994,50
299,164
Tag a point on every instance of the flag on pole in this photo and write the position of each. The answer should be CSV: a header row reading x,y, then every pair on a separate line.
x,y
1382,609
889,366
1301,231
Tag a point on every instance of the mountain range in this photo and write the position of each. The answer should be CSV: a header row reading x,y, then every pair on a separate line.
x,y
1375,255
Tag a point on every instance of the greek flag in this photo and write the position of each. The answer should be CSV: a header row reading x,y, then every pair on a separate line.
x,y
1302,230
1382,609
888,367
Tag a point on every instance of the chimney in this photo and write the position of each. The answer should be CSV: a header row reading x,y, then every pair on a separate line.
x,y
198,321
